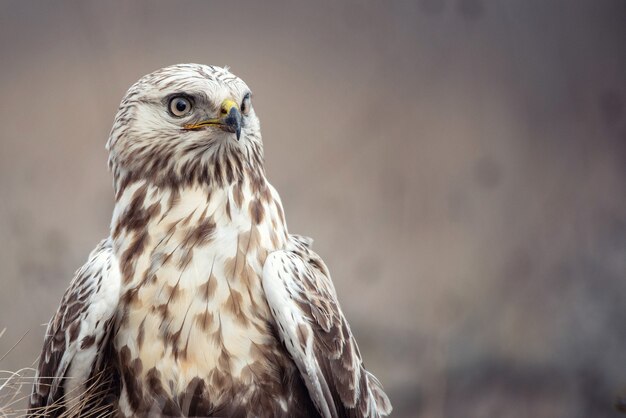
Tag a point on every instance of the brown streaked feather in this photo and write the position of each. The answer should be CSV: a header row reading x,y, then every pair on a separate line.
x,y
303,301
63,348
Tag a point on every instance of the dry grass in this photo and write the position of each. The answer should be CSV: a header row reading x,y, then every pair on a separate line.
x,y
14,391
16,387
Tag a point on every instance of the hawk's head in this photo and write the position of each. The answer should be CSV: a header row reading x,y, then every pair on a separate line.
x,y
178,124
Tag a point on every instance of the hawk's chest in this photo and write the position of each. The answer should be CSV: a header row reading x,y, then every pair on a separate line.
x,y
193,304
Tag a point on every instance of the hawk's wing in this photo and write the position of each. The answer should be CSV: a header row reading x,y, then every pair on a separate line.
x,y
304,304
71,363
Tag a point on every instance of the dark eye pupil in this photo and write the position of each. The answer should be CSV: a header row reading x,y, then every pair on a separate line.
x,y
181,105
245,102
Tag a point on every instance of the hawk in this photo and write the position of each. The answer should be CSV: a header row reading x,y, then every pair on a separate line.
x,y
199,303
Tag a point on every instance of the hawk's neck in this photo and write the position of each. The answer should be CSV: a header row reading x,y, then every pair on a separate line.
x,y
150,221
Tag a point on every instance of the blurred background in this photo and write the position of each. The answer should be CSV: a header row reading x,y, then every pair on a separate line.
x,y
461,165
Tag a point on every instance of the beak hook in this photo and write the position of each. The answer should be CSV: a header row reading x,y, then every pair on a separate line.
x,y
233,121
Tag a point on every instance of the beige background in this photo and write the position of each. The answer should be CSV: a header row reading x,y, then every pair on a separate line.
x,y
461,165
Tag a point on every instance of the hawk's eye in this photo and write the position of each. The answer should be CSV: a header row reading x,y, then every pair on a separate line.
x,y
180,106
246,103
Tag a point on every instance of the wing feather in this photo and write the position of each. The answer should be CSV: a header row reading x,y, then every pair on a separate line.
x,y
316,334
77,338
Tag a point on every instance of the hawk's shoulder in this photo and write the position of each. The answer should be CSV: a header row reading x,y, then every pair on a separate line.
x,y
72,359
304,304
